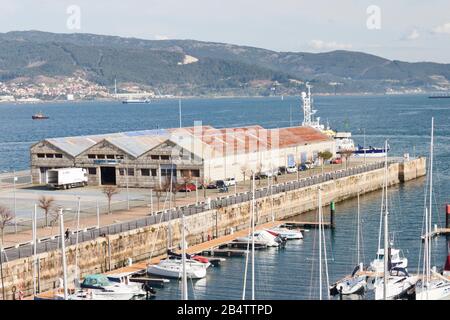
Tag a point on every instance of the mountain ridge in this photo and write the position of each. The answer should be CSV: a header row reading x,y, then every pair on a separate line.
x,y
218,68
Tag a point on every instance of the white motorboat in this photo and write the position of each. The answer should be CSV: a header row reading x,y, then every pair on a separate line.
x,y
377,265
261,236
99,287
173,268
437,288
286,233
399,283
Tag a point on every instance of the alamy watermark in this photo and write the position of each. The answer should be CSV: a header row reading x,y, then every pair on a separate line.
x,y
373,21
74,20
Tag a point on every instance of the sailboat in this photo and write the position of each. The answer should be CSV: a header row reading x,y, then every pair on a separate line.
x,y
252,241
396,281
356,282
394,256
322,244
177,268
262,236
433,286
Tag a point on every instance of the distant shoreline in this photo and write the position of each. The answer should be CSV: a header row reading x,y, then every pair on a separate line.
x,y
216,97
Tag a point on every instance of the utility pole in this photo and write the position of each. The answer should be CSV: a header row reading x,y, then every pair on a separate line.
x,y
98,215
151,201
128,195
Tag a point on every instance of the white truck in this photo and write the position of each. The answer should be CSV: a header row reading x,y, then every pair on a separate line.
x,y
65,178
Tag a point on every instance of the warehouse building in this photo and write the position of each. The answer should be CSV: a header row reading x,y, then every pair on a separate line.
x,y
149,158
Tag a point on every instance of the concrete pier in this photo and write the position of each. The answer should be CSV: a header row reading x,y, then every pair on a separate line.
x,y
110,252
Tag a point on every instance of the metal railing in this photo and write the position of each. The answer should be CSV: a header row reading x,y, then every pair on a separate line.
x,y
25,249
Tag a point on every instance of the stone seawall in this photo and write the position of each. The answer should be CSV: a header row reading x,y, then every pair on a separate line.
x,y
110,252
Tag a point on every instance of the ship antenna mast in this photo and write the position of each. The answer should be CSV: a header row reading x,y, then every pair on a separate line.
x,y
308,112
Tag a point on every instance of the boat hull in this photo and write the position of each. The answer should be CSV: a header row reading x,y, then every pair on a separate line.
x,y
438,291
175,270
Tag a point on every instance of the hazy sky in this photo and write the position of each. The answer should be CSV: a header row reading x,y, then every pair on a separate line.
x,y
410,30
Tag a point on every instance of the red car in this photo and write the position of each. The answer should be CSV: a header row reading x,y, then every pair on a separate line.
x,y
187,187
336,161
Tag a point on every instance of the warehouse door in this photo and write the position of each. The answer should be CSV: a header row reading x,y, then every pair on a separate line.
x,y
108,175
304,157
43,175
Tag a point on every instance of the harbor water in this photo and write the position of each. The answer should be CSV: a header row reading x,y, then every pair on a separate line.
x,y
292,272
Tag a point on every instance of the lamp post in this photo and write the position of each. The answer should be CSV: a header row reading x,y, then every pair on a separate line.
x,y
128,195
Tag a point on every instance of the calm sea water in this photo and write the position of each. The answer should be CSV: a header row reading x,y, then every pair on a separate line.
x,y
290,273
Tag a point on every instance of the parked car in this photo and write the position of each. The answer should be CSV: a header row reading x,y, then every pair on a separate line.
x,y
336,161
212,185
309,164
220,184
187,187
230,182
282,170
292,169
303,167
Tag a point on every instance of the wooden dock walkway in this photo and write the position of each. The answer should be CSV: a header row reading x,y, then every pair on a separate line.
x,y
140,267
438,231
306,224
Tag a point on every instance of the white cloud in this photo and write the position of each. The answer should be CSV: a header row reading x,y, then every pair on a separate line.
x,y
333,45
413,35
445,28
162,37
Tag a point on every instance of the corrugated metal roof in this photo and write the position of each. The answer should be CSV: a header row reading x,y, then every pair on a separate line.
x,y
220,141
138,144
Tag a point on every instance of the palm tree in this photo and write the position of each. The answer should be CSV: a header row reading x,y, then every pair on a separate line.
x,y
46,204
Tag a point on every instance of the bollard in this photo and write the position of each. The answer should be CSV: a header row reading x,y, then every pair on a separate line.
x,y
332,212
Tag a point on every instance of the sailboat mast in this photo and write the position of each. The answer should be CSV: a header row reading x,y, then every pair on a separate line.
x,y
184,294
77,276
63,252
430,204
320,242
253,236
358,260
386,228
34,249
